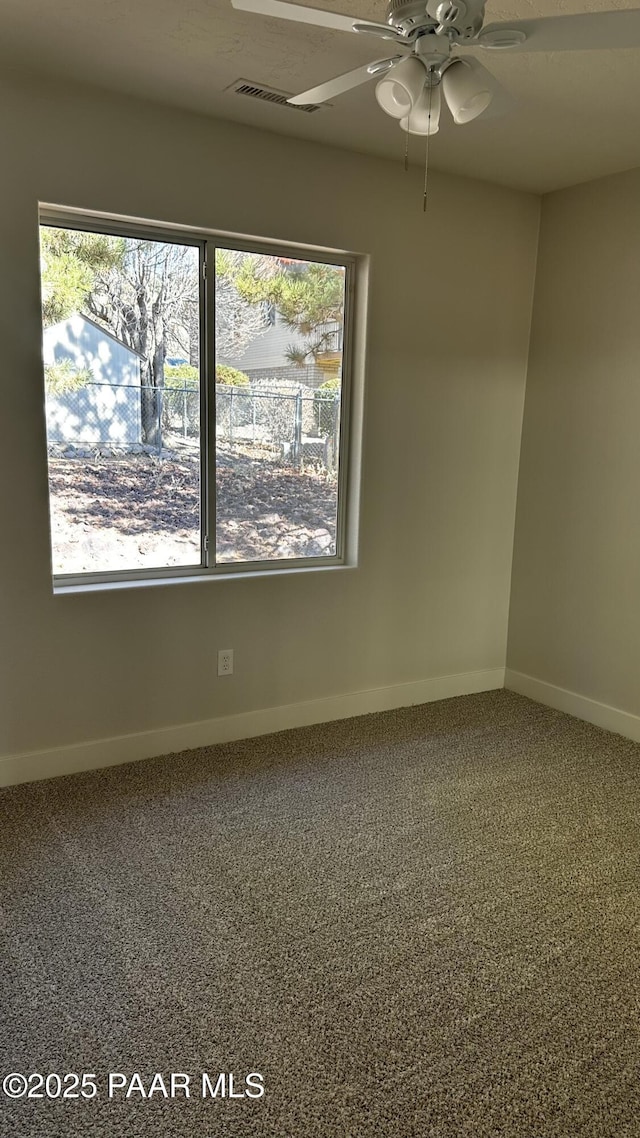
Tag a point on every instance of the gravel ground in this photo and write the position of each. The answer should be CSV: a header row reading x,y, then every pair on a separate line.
x,y
139,511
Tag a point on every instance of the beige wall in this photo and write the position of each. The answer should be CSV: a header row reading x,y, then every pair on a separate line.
x,y
449,324
575,608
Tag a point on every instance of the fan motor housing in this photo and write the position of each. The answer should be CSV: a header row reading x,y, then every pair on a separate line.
x,y
409,15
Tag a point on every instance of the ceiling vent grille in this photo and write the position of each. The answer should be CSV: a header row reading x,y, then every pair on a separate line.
x,y
268,95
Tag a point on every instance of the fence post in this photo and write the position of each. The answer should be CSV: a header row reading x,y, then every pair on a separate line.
x,y
334,448
159,417
184,408
231,416
297,439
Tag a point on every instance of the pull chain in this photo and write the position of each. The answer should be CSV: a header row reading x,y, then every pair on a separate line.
x,y
406,148
426,160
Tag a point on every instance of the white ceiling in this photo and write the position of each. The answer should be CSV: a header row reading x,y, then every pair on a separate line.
x,y
577,115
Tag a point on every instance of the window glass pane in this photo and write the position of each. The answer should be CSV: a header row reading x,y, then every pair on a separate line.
x,y
121,351
279,336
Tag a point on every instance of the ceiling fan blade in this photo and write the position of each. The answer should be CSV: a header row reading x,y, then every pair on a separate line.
x,y
344,82
284,11
588,31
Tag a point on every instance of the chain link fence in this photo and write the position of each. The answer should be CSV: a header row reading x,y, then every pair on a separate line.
x,y
292,428
295,429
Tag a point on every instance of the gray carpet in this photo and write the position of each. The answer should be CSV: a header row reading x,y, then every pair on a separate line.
x,y
420,923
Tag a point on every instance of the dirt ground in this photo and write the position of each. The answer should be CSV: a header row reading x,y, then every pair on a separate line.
x,y
135,512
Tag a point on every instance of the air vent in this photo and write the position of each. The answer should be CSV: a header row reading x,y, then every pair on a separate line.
x,y
268,95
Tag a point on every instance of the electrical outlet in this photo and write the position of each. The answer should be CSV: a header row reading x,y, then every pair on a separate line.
x,y
225,662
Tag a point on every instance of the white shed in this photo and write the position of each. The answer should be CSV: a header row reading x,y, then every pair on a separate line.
x,y
107,408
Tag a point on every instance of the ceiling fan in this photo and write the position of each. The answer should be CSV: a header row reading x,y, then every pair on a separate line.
x,y
431,39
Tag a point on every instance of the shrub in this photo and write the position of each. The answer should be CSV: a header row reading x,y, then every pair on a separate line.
x,y
324,400
182,373
231,377
179,374
178,406
275,412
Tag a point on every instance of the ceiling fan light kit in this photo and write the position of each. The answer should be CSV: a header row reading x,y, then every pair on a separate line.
x,y
401,87
430,34
466,93
424,116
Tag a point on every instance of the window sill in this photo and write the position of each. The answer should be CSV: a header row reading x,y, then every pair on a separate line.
x,y
114,585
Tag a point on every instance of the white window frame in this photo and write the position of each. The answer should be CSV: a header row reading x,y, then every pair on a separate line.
x,y
351,401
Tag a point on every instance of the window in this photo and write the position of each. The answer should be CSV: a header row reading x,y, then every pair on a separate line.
x,y
197,402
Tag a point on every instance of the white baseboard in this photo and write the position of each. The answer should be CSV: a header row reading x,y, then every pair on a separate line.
x,y
602,714
32,765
